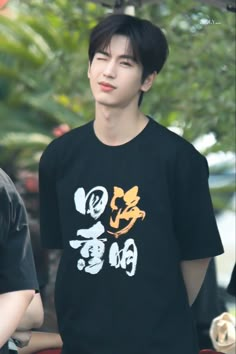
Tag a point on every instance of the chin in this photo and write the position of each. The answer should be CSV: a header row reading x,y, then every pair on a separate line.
x,y
107,103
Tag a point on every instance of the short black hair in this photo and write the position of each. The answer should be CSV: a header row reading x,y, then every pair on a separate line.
x,y
147,41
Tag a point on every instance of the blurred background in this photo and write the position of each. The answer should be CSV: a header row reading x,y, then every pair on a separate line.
x,y
44,93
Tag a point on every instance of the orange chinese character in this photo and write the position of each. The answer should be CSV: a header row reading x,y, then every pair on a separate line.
x,y
130,212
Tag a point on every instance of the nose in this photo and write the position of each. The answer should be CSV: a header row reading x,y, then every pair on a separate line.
x,y
110,70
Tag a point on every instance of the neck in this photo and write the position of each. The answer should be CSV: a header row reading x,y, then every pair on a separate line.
x,y
118,126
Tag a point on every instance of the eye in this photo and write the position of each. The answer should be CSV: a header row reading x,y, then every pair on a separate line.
x,y
125,63
100,56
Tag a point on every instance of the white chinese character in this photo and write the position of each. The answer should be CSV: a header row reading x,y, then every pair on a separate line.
x,y
92,249
93,203
124,257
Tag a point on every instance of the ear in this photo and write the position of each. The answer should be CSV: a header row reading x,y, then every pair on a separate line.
x,y
147,84
89,69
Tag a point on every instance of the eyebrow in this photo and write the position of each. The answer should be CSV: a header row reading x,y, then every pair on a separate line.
x,y
123,56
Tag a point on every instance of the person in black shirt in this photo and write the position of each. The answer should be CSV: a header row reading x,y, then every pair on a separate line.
x,y
231,288
128,203
17,272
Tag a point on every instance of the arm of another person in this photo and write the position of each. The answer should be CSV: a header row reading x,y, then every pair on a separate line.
x,y
32,318
194,272
40,341
18,279
12,307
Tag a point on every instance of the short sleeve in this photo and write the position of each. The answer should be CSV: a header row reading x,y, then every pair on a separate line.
x,y
49,211
17,268
194,220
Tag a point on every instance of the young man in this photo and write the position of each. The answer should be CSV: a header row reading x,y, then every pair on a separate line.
x,y
17,273
128,202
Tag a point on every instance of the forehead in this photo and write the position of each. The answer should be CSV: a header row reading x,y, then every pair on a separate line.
x,y
118,45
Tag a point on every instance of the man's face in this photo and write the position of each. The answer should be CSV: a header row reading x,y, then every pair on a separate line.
x,y
115,77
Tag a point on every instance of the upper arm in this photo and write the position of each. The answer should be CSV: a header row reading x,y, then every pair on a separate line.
x,y
12,307
193,273
193,267
17,269
34,315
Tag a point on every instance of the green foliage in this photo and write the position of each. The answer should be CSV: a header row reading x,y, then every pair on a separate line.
x,y
43,72
196,90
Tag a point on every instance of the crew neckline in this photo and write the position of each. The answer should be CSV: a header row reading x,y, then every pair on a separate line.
x,y
128,143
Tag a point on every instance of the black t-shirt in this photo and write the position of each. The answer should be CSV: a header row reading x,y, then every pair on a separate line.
x,y
17,271
232,284
125,216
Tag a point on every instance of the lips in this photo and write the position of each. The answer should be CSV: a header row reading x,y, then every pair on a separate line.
x,y
106,85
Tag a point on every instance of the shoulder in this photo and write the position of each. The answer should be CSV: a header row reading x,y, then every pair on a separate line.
x,y
71,141
7,187
173,146
11,204
5,181
74,136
